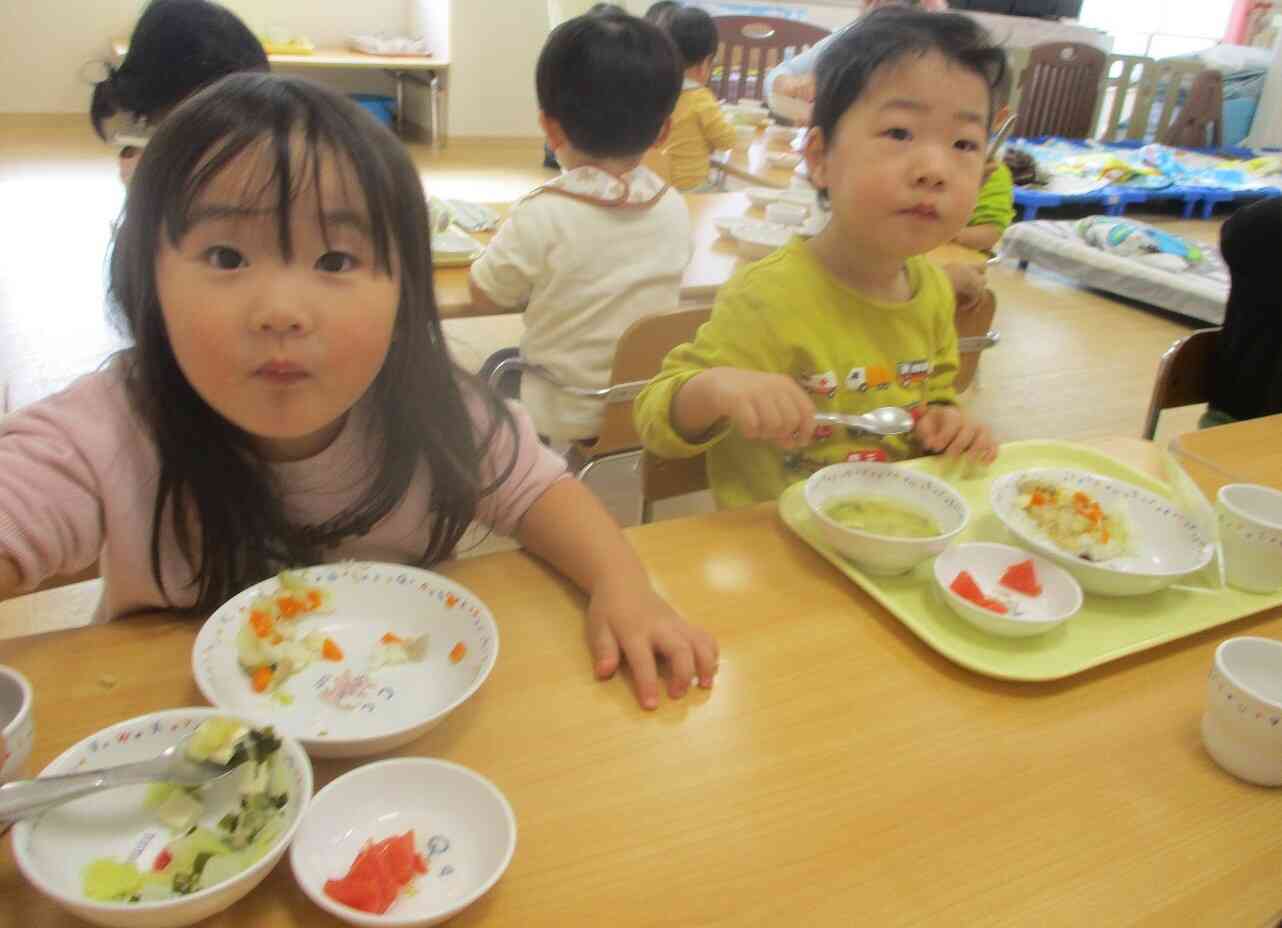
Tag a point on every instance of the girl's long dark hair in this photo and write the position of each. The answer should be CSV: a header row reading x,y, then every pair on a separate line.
x,y
178,47
220,501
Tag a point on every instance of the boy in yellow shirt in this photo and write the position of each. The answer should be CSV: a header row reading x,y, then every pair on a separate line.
x,y
995,210
857,317
698,126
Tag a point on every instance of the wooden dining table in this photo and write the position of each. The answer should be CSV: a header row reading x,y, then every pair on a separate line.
x,y
711,265
1240,452
839,773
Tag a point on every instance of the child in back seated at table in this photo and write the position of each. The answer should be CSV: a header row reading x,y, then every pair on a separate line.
x,y
177,47
605,243
698,126
316,415
857,317
995,209
1246,369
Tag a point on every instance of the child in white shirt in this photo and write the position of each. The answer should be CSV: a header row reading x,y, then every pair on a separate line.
x,y
605,243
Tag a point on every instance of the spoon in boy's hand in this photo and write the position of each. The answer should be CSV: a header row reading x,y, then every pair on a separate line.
x,y
23,798
883,421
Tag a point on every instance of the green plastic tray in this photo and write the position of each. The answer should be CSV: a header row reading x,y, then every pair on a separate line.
x,y
1106,628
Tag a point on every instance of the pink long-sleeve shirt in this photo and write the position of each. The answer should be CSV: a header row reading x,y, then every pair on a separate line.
x,y
78,476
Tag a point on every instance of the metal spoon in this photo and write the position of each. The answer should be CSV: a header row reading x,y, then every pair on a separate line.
x,y
883,421
23,798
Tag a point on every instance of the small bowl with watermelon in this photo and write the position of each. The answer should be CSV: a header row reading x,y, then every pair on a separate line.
x,y
1006,591
410,841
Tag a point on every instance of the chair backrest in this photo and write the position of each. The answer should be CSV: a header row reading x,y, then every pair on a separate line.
x,y
1201,119
749,47
1058,90
666,478
638,355
1183,376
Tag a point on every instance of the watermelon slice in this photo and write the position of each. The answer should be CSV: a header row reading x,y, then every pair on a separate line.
x,y
377,874
964,585
1022,578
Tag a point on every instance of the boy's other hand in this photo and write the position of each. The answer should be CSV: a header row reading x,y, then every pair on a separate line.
x,y
763,407
947,430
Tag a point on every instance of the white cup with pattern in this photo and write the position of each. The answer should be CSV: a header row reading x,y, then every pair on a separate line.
x,y
1242,724
1250,523
17,724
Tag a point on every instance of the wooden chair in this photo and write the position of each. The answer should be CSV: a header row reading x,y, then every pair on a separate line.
x,y
1183,376
1058,90
667,478
638,356
749,47
1201,119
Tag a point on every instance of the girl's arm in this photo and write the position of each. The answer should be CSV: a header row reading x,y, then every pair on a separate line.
x,y
569,528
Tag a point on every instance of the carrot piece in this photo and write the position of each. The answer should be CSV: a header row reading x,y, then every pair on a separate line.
x,y
277,638
290,607
314,600
261,679
457,652
261,622
390,638
331,651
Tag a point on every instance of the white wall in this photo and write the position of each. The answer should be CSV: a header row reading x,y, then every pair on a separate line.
x,y
494,45
46,45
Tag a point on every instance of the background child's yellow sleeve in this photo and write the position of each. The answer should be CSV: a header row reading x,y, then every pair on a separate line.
x,y
996,204
717,130
725,340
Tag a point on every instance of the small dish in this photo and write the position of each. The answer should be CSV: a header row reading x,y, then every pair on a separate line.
x,y
347,708
885,554
1164,544
53,849
757,239
1060,599
463,826
454,248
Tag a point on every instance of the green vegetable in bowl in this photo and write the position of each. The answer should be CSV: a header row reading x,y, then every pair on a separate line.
x,y
200,856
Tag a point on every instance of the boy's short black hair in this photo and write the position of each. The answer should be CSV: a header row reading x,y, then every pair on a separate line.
x,y
611,81
694,34
887,36
658,13
606,9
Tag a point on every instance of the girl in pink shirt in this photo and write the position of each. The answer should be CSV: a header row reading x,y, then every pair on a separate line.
x,y
289,398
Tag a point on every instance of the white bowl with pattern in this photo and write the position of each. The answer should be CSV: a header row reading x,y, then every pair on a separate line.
x,y
347,708
1164,544
53,849
1242,722
17,723
463,826
885,554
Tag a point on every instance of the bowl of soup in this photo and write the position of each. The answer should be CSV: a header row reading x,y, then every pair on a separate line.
x,y
885,518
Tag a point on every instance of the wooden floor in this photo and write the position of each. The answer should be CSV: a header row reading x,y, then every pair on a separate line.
x,y
1071,364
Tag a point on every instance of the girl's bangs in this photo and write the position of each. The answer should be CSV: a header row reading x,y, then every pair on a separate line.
x,y
290,145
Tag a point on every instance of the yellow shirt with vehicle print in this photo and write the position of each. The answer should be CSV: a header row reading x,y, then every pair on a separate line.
x,y
787,314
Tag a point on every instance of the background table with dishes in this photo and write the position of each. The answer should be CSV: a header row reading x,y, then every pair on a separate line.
x,y
716,254
841,768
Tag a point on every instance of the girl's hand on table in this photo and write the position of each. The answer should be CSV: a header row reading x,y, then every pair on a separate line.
x,y
947,430
629,621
